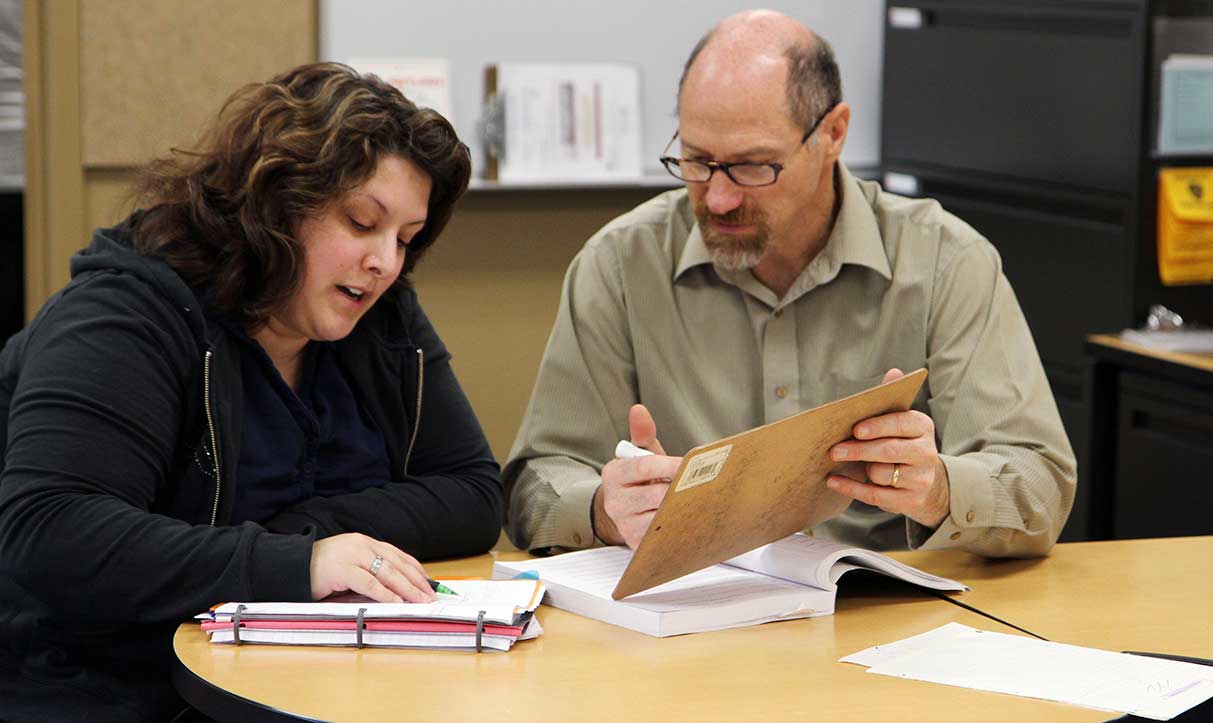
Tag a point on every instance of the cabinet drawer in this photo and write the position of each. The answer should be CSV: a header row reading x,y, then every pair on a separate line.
x,y
1022,89
1164,459
1068,272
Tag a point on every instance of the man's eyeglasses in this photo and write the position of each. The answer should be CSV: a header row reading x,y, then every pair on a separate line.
x,y
743,174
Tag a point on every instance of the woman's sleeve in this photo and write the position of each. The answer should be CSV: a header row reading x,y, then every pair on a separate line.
x,y
93,424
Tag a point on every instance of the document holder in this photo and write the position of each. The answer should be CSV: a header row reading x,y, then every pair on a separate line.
x,y
743,491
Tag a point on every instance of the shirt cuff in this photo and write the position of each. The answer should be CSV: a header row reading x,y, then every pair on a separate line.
x,y
971,507
574,529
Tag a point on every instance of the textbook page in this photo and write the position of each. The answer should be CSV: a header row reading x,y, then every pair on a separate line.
x,y
820,563
716,598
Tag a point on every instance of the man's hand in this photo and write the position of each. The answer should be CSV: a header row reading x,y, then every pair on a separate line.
x,y
905,474
365,565
632,489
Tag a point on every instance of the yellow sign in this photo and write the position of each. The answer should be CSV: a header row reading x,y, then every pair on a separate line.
x,y
1185,226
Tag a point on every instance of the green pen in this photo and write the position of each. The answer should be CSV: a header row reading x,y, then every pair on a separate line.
x,y
439,587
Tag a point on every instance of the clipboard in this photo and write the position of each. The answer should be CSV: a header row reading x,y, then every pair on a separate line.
x,y
743,491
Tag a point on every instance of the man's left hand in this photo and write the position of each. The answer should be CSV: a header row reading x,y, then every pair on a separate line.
x,y
905,474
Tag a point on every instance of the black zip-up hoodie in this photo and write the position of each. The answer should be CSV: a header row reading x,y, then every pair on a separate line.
x,y
120,426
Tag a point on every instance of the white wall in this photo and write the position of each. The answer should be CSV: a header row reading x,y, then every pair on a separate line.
x,y
658,35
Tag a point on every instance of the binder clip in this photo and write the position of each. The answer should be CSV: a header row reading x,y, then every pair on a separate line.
x,y
236,624
359,625
479,630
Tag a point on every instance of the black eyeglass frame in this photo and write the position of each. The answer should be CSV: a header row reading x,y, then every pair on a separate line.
x,y
671,162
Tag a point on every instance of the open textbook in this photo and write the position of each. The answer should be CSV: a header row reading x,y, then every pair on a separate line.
x,y
795,577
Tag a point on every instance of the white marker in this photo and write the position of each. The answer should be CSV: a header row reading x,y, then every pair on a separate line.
x,y
627,450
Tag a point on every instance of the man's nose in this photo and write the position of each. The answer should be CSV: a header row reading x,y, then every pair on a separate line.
x,y
723,195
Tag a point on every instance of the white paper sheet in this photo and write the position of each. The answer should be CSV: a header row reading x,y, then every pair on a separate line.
x,y
966,657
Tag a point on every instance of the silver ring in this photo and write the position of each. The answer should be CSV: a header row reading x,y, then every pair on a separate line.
x,y
376,564
896,475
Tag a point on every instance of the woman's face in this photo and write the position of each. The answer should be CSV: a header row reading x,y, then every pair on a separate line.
x,y
354,251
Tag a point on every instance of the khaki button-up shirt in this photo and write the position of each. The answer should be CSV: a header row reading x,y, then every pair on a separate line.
x,y
646,317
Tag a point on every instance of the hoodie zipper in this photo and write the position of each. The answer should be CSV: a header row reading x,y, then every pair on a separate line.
x,y
210,424
417,415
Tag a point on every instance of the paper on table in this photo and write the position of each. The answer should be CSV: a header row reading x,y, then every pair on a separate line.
x,y
962,656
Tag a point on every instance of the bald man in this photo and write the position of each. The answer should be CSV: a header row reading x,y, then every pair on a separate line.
x,y
775,282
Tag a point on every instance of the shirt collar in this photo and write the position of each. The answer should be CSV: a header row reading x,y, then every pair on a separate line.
x,y
855,239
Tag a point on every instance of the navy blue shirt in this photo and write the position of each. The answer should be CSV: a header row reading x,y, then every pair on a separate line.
x,y
296,446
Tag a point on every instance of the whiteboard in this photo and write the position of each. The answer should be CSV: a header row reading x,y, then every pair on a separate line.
x,y
657,35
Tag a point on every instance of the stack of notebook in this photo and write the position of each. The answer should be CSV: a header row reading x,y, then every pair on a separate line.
x,y
481,615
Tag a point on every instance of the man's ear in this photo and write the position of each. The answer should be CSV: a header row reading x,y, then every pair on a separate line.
x,y
834,127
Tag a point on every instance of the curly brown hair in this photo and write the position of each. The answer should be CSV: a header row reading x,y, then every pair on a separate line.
x,y
223,214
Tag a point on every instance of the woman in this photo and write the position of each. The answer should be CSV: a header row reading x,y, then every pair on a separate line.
x,y
236,397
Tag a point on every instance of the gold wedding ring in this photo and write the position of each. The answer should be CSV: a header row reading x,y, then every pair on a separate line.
x,y
896,475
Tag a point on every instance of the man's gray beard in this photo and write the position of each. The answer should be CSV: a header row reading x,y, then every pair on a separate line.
x,y
732,257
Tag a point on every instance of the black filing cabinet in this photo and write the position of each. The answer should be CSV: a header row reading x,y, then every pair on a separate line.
x,y
1032,120
1151,441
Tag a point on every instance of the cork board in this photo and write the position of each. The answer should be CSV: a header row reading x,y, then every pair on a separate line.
x,y
154,72
749,489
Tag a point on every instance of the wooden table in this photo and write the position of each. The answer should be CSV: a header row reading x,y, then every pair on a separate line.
x,y
1148,595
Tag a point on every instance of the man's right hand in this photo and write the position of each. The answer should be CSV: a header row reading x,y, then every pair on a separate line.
x,y
633,488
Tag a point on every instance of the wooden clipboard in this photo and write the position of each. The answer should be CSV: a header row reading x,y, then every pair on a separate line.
x,y
759,486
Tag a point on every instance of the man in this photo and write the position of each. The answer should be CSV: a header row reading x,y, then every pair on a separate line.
x,y
773,283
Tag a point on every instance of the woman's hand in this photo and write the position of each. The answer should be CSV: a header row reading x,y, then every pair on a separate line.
x,y
367,566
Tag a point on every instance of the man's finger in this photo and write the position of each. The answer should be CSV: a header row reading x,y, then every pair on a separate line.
x,y
890,450
906,425
885,498
646,498
643,429
892,375
643,470
881,473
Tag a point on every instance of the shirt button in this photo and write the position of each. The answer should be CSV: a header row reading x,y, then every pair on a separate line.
x,y
777,313
781,392
955,535
577,538
970,517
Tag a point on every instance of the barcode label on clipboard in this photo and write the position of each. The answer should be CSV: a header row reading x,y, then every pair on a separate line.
x,y
703,468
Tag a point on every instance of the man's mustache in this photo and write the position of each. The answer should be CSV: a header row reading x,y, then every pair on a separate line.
x,y
737,217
